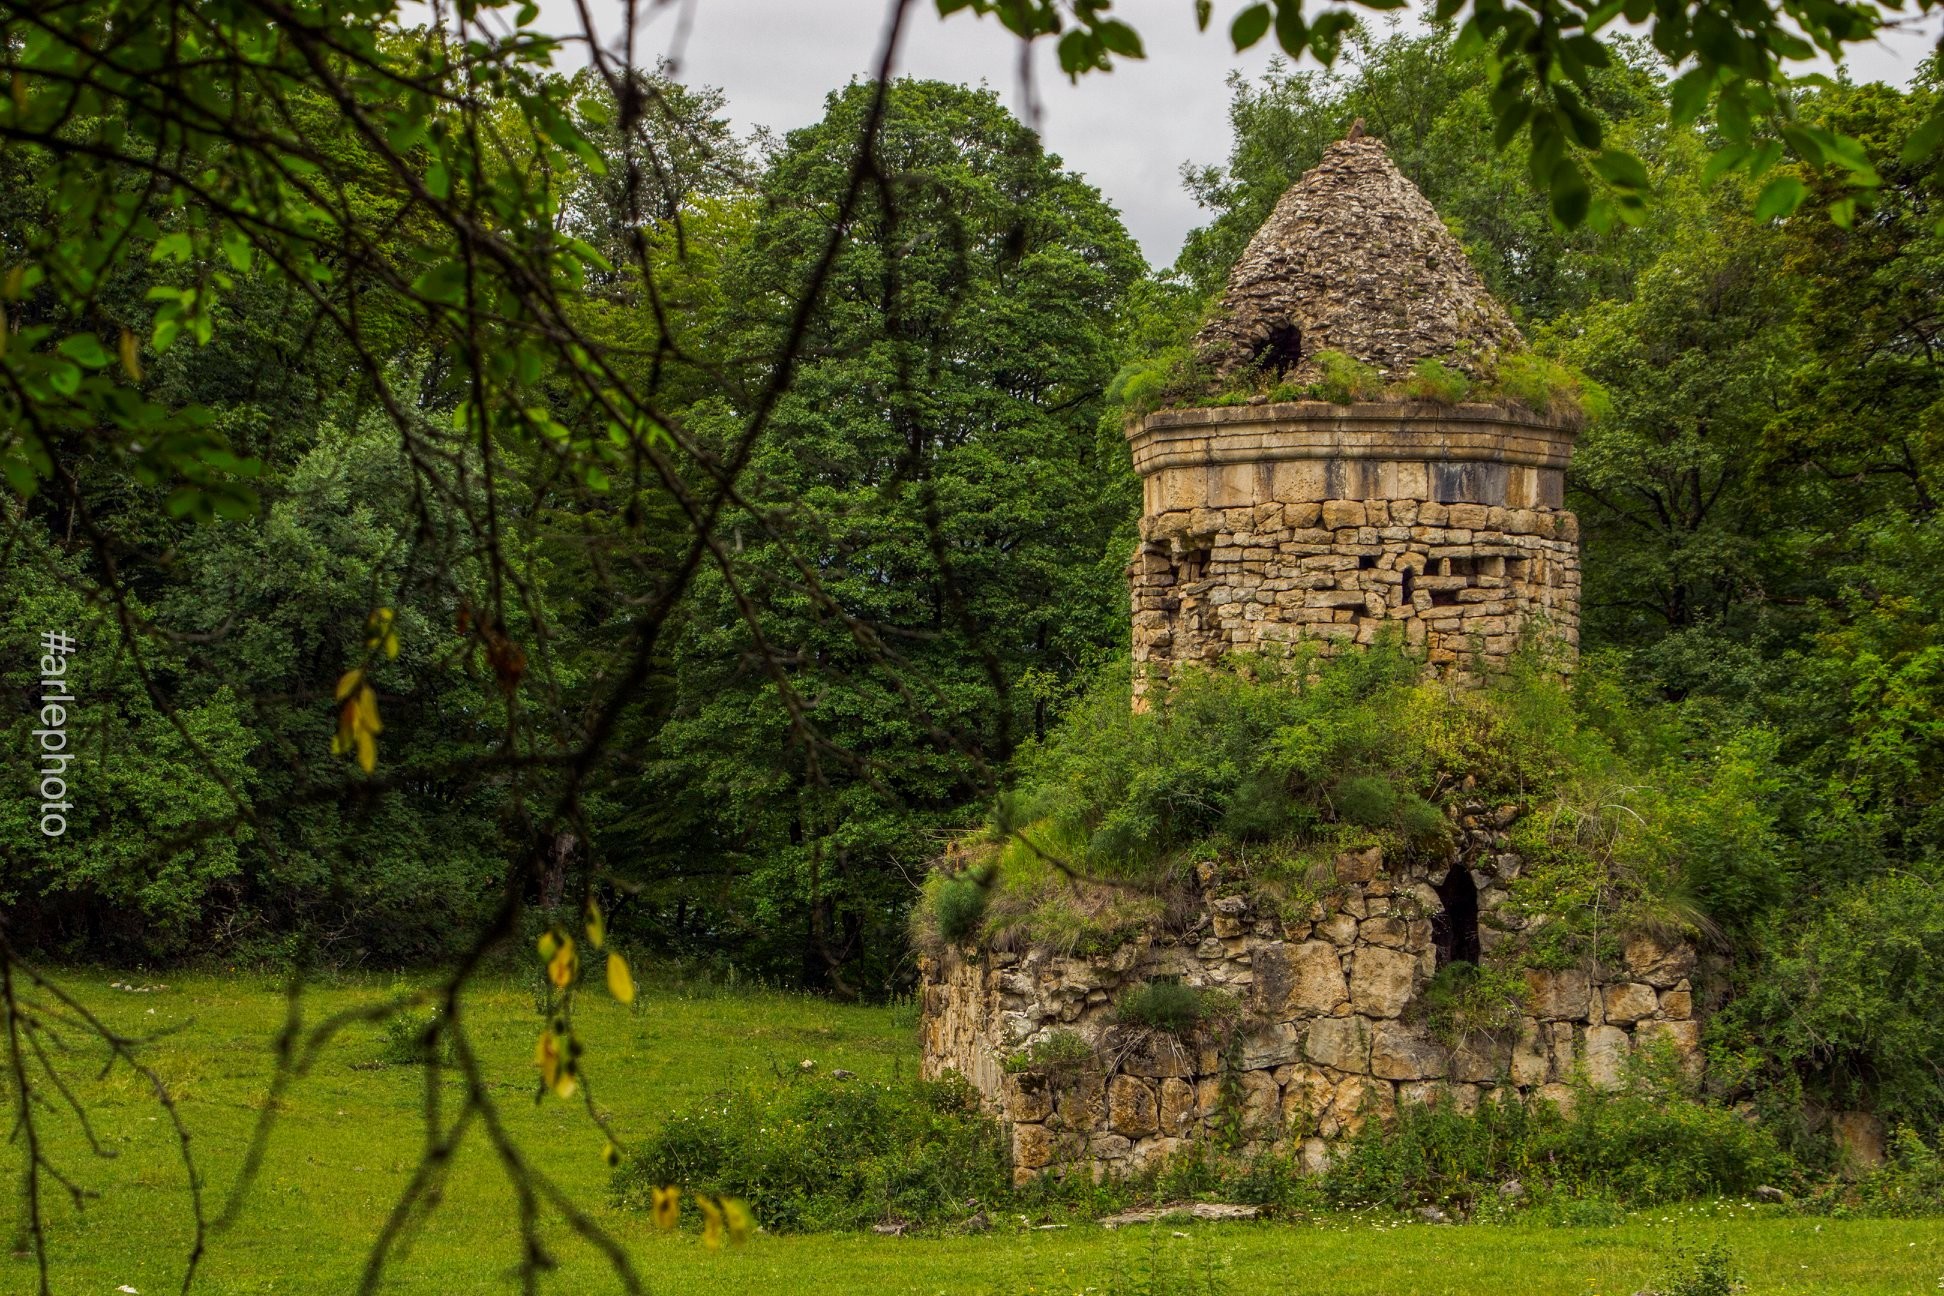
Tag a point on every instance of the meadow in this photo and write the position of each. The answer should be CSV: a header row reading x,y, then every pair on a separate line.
x,y
349,1135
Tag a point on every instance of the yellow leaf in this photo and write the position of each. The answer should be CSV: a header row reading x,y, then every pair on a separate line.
x,y
367,751
668,1206
596,924
620,982
548,943
348,681
741,1222
563,966
131,358
711,1222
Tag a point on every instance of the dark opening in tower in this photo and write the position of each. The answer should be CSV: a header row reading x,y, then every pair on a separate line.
x,y
1279,352
1454,928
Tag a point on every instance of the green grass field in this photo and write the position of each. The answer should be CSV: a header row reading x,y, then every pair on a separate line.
x,y
349,1135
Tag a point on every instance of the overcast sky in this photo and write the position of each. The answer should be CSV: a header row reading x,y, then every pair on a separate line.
x,y
1127,131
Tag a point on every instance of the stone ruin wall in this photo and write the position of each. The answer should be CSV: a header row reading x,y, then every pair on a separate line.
x,y
1332,1031
1264,525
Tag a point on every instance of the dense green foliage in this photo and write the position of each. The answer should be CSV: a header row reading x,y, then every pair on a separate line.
x,y
946,474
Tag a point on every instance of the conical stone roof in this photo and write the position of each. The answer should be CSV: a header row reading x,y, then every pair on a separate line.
x,y
1354,259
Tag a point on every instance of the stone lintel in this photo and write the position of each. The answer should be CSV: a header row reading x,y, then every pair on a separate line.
x,y
1379,430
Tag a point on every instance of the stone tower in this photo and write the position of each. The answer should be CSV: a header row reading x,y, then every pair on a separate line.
x,y
1265,523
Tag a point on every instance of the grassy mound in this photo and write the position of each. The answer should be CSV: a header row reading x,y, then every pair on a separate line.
x,y
1266,771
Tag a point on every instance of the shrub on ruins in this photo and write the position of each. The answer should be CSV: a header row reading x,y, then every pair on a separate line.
x,y
1263,771
1172,1008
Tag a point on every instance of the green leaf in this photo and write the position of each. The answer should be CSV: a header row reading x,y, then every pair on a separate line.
x,y
1622,170
1250,26
1120,39
1570,194
1690,94
1780,198
1842,212
1292,33
438,181
1583,125
236,247
445,282
85,349
1725,159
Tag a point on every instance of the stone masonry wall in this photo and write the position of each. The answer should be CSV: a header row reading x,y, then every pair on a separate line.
x,y
1264,526
1332,1032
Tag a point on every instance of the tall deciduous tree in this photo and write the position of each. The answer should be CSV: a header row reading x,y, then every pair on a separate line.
x,y
947,479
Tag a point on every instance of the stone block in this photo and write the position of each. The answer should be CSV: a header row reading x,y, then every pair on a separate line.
x,y
1606,1057
1341,1043
1859,1140
1271,1044
1677,1005
1629,1002
1152,1153
1297,481
1080,1101
1388,931
1659,961
1360,865
1261,1101
1343,513
1479,1059
1382,980
1400,1052
1314,983
1559,994
1529,1055
1109,1147
1157,1055
1360,1099
1178,1107
1307,1094
1032,1147
1339,928
1027,1098
1132,1108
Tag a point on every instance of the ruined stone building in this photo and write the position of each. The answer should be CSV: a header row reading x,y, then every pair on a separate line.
x,y
1267,523
1264,523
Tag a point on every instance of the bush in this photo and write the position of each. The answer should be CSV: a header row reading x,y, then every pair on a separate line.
x,y
415,1039
1061,1051
1432,380
1463,998
1641,1147
817,1153
1910,1185
958,906
1344,380
1704,1271
1174,1008
1550,388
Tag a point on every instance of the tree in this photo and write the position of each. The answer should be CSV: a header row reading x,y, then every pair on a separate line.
x,y
948,482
